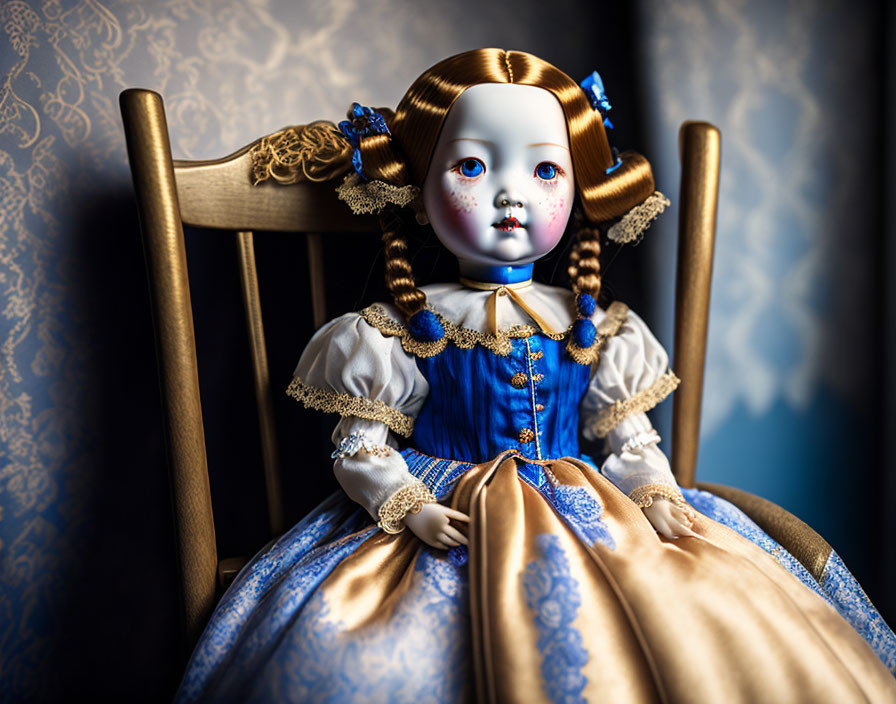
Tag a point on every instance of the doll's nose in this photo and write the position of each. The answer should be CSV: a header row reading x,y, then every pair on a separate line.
x,y
505,199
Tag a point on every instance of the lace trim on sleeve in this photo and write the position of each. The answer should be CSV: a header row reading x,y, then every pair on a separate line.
x,y
641,402
643,497
409,499
347,405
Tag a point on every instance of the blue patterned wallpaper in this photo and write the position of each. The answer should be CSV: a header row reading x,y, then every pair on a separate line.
x,y
792,409
87,586
87,580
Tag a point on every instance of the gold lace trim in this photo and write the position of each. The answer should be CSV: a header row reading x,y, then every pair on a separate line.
x,y
347,405
313,152
634,223
377,317
643,401
606,328
364,197
643,497
408,499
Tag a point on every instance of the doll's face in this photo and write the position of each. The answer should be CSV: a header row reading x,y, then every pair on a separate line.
x,y
500,184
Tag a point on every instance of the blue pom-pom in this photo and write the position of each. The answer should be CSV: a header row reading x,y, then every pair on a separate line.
x,y
425,326
585,305
583,333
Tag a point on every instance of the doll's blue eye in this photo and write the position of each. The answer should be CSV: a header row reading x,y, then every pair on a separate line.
x,y
471,168
546,171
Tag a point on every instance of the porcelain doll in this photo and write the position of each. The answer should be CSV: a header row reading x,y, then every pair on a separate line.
x,y
489,559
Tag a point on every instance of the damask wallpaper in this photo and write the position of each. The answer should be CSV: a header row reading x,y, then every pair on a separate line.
x,y
793,403
87,586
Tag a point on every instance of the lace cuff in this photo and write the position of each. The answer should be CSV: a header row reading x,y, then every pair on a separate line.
x,y
641,402
347,405
644,495
408,499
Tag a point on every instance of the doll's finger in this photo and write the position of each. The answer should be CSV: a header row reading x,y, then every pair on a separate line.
x,y
453,532
684,530
663,528
457,515
438,544
450,542
681,516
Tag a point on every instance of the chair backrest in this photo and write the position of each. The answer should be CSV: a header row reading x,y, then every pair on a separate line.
x,y
218,194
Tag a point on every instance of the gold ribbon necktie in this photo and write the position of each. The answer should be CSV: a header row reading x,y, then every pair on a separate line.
x,y
510,290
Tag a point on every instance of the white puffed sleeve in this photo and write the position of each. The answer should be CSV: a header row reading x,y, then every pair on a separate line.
x,y
352,369
631,377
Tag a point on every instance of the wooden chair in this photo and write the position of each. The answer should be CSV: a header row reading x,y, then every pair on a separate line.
x,y
218,194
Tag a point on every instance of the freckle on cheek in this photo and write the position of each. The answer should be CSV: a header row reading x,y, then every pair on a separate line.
x,y
556,207
462,202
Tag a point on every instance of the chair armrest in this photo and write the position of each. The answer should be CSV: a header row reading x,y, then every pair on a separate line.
x,y
790,532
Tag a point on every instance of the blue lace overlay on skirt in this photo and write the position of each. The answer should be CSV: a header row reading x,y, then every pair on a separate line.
x,y
274,637
419,654
853,604
553,595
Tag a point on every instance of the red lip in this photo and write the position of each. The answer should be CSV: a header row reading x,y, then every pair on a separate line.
x,y
507,224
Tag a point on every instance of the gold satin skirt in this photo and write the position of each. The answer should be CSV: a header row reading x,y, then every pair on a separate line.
x,y
635,618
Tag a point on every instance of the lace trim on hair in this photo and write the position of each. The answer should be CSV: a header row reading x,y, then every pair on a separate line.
x,y
634,223
313,152
643,497
364,197
641,402
409,499
606,328
347,405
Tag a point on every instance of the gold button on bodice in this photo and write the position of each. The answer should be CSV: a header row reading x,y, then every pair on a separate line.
x,y
536,355
519,380
527,435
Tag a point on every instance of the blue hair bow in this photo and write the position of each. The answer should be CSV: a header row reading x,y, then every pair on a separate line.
x,y
594,89
362,122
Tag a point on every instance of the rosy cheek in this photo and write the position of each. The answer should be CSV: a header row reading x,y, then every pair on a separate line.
x,y
461,202
556,212
460,209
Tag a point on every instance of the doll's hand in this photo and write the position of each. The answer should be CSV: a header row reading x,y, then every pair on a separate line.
x,y
431,526
667,519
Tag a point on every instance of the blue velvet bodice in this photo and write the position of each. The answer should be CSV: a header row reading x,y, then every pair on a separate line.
x,y
481,403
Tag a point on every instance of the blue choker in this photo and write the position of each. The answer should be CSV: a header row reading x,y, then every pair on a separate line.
x,y
497,274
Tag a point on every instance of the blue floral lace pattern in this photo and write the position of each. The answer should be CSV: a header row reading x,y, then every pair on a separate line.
x,y
581,511
854,605
269,591
552,594
418,654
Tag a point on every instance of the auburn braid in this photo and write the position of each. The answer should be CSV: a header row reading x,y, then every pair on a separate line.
x,y
584,262
399,277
